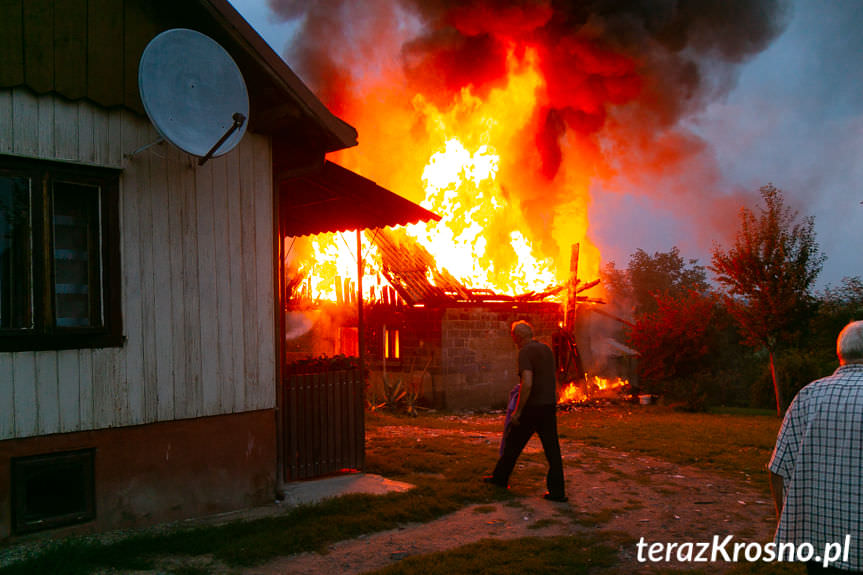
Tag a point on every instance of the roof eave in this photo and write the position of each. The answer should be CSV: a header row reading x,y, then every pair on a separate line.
x,y
343,135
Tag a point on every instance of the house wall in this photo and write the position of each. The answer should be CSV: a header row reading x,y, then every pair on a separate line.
x,y
181,416
147,474
478,356
471,358
197,279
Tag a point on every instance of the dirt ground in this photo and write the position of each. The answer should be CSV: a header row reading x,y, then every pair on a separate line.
x,y
608,490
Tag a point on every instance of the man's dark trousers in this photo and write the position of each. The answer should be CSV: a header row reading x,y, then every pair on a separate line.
x,y
542,420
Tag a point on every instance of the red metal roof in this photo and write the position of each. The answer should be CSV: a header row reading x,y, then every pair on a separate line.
x,y
336,199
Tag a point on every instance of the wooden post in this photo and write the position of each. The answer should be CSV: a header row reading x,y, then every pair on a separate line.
x,y
360,450
569,316
361,340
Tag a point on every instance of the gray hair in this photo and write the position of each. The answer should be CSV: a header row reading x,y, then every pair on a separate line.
x,y
849,344
522,330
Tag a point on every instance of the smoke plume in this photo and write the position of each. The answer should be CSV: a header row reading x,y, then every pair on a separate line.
x,y
621,76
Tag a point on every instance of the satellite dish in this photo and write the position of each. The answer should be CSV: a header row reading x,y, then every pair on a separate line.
x,y
193,92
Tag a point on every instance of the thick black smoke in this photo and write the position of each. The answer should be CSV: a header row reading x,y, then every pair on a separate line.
x,y
651,61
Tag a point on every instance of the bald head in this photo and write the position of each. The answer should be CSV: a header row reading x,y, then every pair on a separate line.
x,y
849,345
521,332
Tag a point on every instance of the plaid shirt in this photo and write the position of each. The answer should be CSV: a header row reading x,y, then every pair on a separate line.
x,y
819,454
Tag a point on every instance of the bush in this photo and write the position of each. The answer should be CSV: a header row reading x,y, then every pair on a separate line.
x,y
796,369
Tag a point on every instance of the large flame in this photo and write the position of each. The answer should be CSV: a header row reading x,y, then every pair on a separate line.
x,y
506,112
471,163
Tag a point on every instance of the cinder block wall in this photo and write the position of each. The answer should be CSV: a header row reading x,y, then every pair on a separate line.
x,y
478,360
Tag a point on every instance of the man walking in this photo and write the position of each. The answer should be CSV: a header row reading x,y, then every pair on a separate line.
x,y
816,472
536,411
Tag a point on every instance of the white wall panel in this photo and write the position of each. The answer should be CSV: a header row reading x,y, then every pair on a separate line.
x,y
25,123
7,395
69,388
132,196
47,393
24,393
197,273
7,130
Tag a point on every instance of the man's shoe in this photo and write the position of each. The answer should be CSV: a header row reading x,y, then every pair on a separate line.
x,y
490,479
558,498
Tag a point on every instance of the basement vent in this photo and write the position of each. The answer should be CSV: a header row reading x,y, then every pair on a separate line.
x,y
52,490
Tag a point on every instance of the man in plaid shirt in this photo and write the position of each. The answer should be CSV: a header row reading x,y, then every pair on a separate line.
x,y
816,471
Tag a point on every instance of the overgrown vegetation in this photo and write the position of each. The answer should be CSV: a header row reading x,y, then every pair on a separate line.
x,y
402,392
752,339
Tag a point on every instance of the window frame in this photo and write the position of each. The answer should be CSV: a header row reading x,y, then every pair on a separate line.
x,y
45,333
25,469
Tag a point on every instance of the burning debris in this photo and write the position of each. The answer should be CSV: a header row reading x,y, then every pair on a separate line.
x,y
414,273
591,390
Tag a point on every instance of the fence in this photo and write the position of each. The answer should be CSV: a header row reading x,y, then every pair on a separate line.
x,y
324,423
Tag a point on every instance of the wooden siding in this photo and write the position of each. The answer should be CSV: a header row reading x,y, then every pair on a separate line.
x,y
323,423
197,269
77,48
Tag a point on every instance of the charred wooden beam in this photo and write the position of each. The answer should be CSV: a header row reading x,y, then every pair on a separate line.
x,y
585,299
587,286
601,311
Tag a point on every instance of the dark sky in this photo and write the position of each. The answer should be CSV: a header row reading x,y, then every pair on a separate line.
x,y
793,119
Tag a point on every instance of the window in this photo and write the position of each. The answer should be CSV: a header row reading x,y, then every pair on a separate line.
x,y
52,490
59,256
391,343
349,343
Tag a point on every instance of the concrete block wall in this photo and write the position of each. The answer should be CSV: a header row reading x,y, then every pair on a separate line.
x,y
478,364
472,361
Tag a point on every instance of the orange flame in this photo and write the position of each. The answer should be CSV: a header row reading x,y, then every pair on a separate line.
x,y
593,388
470,163
572,394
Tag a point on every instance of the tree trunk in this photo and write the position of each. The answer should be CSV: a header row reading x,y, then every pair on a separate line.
x,y
775,386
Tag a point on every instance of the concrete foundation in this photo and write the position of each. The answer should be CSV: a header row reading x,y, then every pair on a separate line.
x,y
162,472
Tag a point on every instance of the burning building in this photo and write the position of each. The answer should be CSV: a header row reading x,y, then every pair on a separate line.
x,y
504,118
445,342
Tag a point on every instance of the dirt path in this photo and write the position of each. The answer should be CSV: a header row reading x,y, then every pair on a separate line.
x,y
609,490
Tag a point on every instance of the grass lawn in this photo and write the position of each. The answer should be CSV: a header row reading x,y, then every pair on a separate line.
x,y
445,471
733,444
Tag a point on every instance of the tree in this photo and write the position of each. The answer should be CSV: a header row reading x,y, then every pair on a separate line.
x,y
646,277
673,340
845,300
768,274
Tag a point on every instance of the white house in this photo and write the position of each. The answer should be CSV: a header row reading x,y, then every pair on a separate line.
x,y
140,313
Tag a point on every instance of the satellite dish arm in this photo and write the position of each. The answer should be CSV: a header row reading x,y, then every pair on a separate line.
x,y
239,120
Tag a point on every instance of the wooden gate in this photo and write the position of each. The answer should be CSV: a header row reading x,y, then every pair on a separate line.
x,y
324,423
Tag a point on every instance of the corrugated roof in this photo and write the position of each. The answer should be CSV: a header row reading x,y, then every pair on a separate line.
x,y
407,266
412,271
335,199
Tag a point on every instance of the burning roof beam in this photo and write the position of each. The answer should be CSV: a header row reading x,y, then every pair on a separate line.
x,y
412,272
406,266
